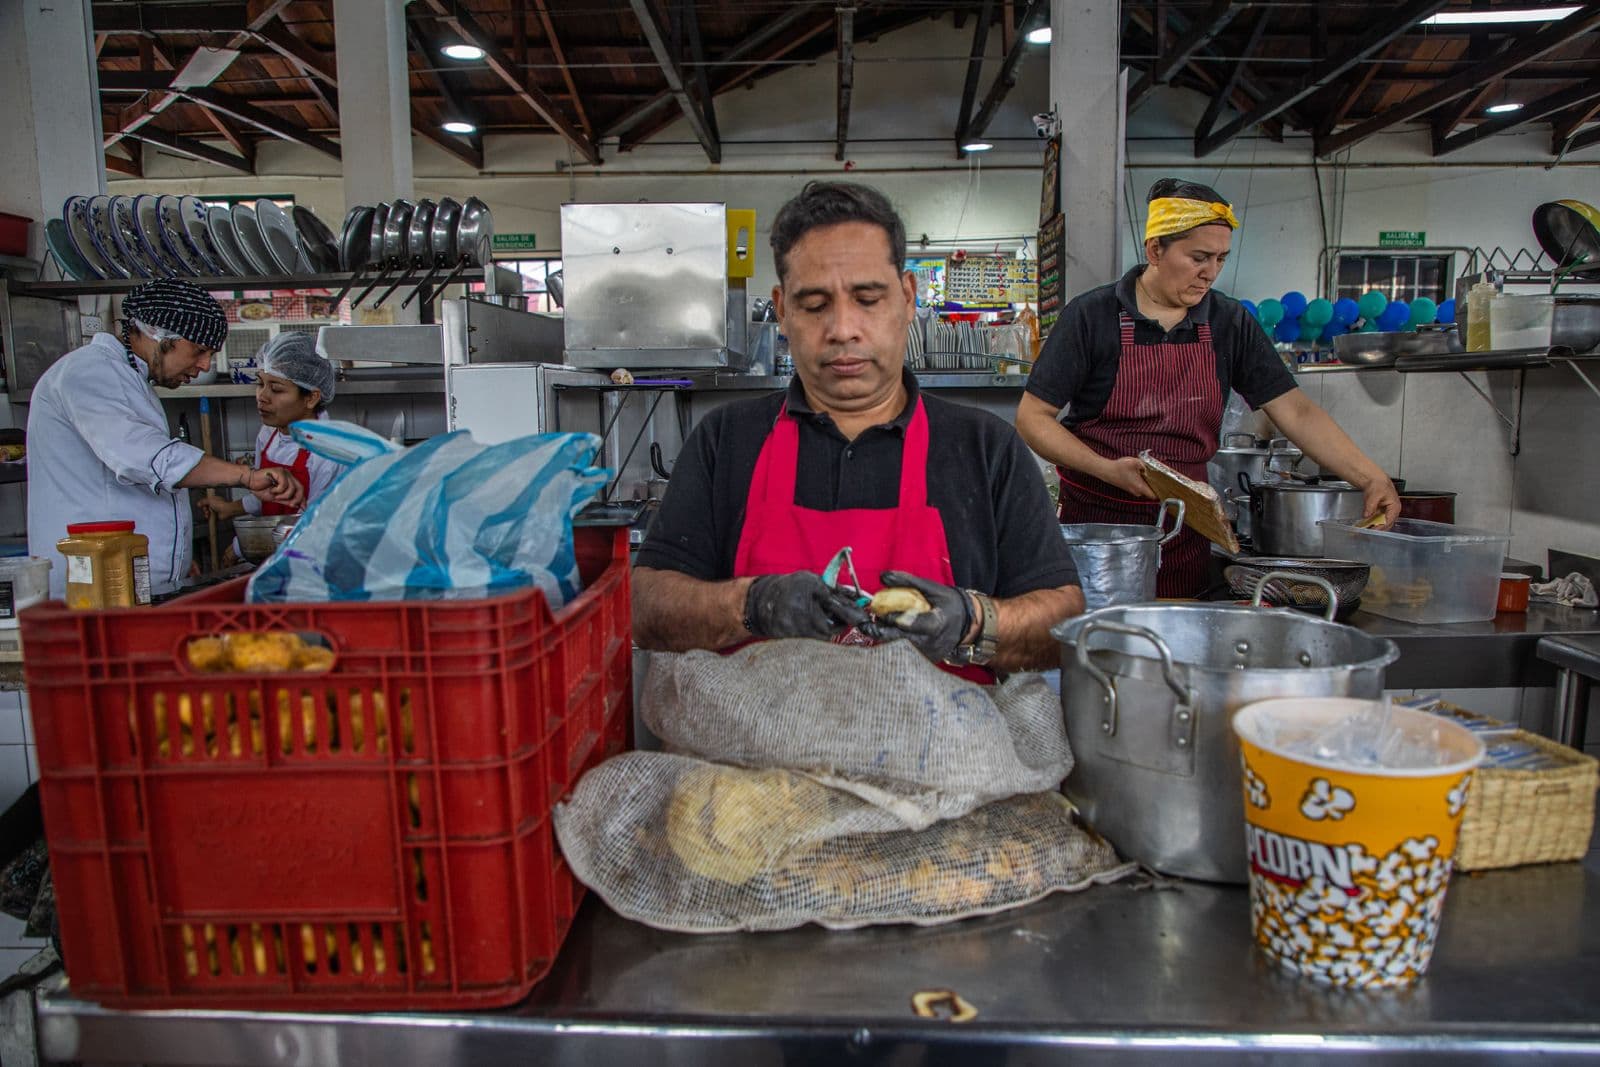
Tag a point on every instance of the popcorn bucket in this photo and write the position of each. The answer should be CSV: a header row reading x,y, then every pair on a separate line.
x,y
1349,858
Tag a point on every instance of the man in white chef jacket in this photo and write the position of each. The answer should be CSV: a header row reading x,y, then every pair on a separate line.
x,y
99,445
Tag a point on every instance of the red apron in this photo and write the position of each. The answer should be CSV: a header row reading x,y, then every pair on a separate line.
x,y
299,470
1167,399
780,537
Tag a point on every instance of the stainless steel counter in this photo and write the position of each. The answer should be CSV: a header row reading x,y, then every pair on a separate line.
x,y
1118,974
1502,652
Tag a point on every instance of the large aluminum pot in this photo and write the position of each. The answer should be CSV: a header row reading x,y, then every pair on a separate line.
x,y
1284,515
1242,454
1149,693
1117,563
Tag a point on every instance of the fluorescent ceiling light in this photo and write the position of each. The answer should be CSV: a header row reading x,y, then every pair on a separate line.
x,y
1503,109
464,52
976,146
1042,35
1499,15
457,126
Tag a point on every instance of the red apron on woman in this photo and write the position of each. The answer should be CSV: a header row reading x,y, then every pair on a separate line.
x,y
780,537
1166,399
299,470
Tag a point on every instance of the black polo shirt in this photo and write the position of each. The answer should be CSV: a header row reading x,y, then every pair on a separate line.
x,y
1003,535
1078,365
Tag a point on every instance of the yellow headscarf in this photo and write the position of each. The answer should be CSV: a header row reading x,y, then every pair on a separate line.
x,y
1175,214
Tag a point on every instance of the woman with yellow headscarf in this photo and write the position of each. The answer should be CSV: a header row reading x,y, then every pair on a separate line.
x,y
1147,362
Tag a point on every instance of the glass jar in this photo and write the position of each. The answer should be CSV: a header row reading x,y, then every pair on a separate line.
x,y
108,565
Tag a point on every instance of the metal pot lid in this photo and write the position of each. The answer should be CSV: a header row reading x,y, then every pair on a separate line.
x,y
1304,487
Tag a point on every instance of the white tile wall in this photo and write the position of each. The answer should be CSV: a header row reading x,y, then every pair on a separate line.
x,y
11,731
14,775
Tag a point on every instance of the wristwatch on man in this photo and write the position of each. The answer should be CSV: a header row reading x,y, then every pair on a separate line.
x,y
983,648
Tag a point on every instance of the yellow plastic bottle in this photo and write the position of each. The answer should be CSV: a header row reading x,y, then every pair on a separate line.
x,y
1479,298
108,565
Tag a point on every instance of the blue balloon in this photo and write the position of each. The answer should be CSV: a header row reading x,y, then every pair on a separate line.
x,y
1287,330
1447,312
1294,302
1249,309
1334,329
1345,311
1396,315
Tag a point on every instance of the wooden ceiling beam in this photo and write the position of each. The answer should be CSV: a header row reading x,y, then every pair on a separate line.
x,y
1220,98
216,17
969,87
1534,111
561,60
1033,17
1169,62
845,79
1324,73
656,35
468,29
1584,140
193,149
1562,130
1470,80
312,63
468,149
233,135
124,165
250,115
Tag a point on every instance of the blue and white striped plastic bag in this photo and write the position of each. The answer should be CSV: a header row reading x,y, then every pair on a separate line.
x,y
448,517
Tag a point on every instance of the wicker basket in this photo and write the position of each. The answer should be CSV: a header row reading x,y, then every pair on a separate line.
x,y
1529,816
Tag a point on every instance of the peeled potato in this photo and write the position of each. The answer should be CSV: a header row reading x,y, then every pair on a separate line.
x,y
905,603
313,658
729,824
265,653
207,654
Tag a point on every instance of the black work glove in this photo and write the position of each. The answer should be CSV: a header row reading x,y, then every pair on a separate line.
x,y
936,633
798,605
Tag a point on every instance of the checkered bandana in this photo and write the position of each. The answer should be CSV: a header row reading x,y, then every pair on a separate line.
x,y
179,306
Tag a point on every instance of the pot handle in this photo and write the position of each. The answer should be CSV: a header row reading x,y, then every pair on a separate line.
x,y
1314,579
1244,481
1167,505
1247,435
1183,713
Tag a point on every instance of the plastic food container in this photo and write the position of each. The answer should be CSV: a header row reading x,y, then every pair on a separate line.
x,y
1520,321
1424,572
24,581
1513,592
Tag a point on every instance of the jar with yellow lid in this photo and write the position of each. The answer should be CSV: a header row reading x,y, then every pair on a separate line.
x,y
108,565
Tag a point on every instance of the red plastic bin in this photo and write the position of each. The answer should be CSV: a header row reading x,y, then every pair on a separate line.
x,y
13,234
374,837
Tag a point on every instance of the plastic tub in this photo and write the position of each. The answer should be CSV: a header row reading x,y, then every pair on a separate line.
x,y
1520,321
1426,572
24,581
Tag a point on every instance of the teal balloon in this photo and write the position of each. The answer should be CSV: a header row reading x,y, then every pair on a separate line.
x,y
1270,312
1423,311
1318,312
1371,304
1309,331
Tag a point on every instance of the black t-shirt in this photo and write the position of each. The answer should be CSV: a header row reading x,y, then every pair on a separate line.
x,y
1078,365
1003,535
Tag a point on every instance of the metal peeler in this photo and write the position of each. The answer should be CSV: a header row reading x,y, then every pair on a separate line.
x,y
842,561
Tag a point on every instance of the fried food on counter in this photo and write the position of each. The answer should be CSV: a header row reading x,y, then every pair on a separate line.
x,y
257,653
899,604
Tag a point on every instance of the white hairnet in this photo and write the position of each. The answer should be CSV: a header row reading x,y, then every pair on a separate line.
x,y
157,333
294,356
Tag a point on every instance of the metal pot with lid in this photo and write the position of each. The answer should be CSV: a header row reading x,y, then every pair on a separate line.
x,y
1243,455
1149,692
1284,514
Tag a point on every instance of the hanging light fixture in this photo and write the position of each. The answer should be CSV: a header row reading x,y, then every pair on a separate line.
x,y
459,126
976,146
1038,36
1504,108
466,53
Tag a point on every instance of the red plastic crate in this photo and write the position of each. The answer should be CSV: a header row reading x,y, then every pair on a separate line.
x,y
377,836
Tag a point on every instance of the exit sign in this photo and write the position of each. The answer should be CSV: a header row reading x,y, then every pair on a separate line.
x,y
1388,238
515,242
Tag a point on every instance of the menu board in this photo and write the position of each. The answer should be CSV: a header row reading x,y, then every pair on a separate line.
x,y
929,274
980,282
1052,273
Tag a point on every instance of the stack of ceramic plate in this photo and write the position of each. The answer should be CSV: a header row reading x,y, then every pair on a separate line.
x,y
149,236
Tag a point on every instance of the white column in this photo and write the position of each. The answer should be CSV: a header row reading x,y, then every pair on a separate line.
x,y
374,100
1087,88
50,121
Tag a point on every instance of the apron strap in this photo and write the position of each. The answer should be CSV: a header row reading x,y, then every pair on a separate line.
x,y
775,473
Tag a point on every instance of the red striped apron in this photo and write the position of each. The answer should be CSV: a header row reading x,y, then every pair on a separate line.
x,y
1167,399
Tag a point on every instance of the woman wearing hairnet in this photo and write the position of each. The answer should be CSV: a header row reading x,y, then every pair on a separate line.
x,y
294,383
